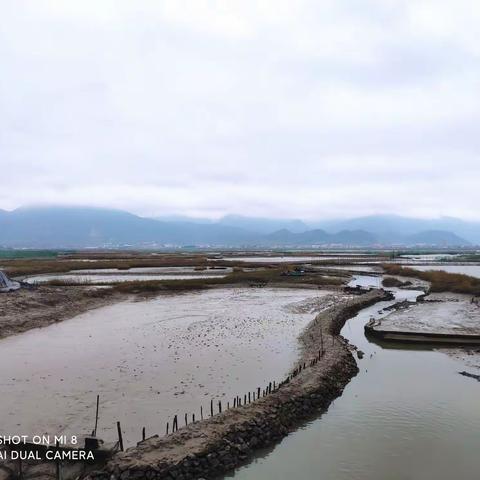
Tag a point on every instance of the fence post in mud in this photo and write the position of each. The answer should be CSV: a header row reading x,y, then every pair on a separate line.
x,y
234,402
211,408
186,420
253,396
274,385
96,417
228,405
258,392
201,412
245,399
249,397
219,406
193,418
143,433
270,387
120,437
167,427
175,424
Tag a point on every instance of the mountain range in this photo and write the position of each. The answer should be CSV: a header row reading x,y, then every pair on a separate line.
x,y
87,227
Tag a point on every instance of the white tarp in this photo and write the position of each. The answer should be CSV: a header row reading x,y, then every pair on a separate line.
x,y
7,285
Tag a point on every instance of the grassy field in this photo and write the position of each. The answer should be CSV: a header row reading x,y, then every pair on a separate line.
x,y
440,281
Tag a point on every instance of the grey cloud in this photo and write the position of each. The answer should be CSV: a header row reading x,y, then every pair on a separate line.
x,y
298,109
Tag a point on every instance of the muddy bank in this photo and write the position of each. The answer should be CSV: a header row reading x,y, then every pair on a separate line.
x,y
25,309
224,441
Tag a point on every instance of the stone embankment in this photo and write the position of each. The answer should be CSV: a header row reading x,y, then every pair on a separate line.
x,y
209,448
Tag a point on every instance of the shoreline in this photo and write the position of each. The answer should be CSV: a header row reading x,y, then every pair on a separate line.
x,y
226,440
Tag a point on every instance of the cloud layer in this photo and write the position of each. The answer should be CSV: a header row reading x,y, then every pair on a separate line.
x,y
271,108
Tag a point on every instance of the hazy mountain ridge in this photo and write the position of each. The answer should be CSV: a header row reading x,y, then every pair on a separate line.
x,y
80,227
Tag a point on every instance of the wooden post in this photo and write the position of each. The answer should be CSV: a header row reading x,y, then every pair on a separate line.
x,y
249,397
167,427
258,392
143,433
234,402
211,408
120,437
186,420
96,417
201,412
219,406
245,399
193,418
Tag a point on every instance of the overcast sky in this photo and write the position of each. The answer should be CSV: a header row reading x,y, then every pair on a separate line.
x,y
267,108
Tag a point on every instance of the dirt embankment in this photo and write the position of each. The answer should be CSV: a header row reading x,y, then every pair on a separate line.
x,y
209,448
25,309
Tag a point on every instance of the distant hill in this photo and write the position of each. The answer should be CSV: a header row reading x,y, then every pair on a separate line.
x,y
321,237
263,225
390,227
82,227
78,227
437,238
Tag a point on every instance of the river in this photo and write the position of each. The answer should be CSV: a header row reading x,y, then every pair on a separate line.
x,y
408,414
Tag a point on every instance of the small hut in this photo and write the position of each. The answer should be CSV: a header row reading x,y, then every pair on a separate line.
x,y
7,285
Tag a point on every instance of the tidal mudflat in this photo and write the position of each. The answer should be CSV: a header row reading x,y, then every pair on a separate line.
x,y
149,360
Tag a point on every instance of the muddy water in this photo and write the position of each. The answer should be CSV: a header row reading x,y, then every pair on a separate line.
x,y
150,360
408,414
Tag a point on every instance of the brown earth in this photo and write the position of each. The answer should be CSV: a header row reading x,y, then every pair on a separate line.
x,y
25,309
